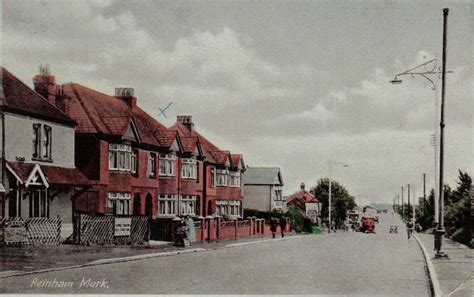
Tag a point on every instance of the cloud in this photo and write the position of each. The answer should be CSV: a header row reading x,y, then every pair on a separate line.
x,y
291,113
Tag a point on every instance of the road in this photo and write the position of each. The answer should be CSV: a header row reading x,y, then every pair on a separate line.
x,y
342,263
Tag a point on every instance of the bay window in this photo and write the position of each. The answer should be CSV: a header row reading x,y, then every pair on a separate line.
x,y
118,203
189,168
167,204
188,205
167,163
234,179
119,157
222,176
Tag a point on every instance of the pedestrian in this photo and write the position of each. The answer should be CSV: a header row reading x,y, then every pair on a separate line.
x,y
410,227
273,226
282,226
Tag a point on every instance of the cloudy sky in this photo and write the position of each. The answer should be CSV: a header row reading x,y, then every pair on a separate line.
x,y
288,84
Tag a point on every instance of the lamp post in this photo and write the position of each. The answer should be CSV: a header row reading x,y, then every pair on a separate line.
x,y
423,71
331,164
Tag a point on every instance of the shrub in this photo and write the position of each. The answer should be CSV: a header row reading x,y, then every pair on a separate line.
x,y
296,218
267,215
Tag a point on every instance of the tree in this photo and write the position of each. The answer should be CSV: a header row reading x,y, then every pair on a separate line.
x,y
341,201
457,210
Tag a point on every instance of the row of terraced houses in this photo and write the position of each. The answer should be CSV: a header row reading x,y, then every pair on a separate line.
x,y
68,148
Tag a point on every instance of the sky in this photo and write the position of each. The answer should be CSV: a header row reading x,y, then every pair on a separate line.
x,y
291,84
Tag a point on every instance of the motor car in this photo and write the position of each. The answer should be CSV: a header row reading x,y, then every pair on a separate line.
x,y
393,229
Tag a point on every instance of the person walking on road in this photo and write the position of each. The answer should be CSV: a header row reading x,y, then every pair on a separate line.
x,y
410,227
282,226
273,226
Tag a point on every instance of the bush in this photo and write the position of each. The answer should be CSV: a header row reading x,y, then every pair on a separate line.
x,y
307,225
267,215
296,218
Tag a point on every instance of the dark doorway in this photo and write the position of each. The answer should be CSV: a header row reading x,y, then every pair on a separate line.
x,y
148,205
137,205
209,208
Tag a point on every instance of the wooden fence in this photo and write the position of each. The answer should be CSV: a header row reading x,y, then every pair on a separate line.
x,y
30,231
109,230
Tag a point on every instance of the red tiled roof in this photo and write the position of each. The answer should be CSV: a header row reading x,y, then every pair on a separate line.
x,y
303,195
16,96
235,159
54,174
189,143
212,153
96,112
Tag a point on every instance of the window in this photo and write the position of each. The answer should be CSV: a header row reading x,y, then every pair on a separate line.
x,y
134,161
167,204
37,141
188,205
119,203
222,177
46,149
278,194
38,202
213,177
234,179
228,207
189,168
151,164
120,157
167,164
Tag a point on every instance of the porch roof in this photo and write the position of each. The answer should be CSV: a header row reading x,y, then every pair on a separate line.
x,y
55,175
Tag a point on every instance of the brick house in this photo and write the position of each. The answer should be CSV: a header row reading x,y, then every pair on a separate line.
x,y
119,147
263,189
38,174
306,203
222,171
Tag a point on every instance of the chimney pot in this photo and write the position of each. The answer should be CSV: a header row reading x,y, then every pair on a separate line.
x,y
45,84
302,186
187,121
127,95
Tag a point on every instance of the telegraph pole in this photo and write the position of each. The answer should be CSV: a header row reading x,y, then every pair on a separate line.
x,y
403,216
408,201
424,194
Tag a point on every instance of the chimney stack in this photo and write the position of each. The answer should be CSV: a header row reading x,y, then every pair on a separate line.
x,y
127,96
302,186
187,121
45,84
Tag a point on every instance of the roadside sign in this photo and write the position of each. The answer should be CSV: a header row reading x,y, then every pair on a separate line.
x,y
15,232
122,226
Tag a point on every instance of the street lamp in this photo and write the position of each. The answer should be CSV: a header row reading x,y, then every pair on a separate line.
x,y
331,164
425,72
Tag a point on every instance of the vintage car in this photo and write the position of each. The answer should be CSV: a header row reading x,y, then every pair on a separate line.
x,y
393,229
367,224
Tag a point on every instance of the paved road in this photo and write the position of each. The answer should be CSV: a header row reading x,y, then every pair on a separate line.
x,y
345,263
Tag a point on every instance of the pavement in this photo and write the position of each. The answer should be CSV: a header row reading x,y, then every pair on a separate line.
x,y
453,275
28,259
342,263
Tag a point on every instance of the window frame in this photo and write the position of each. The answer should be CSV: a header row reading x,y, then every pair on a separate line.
x,y
189,168
119,201
166,165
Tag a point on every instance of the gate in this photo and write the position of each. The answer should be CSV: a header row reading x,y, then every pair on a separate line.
x,y
108,230
30,231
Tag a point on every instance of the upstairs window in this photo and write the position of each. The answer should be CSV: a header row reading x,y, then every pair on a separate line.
x,y
222,177
167,164
119,157
213,177
134,161
189,168
278,194
234,179
42,137
46,149
36,141
151,164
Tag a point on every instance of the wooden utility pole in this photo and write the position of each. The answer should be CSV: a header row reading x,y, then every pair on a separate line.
x,y
424,194
403,216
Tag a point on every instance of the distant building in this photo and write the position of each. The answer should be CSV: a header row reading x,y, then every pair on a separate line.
x,y
263,189
306,203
